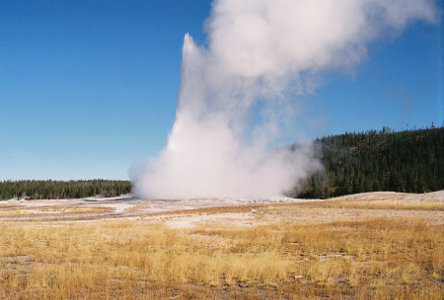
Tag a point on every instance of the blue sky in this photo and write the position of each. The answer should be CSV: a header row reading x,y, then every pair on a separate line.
x,y
88,88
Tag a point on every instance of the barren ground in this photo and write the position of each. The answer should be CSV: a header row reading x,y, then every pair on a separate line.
x,y
123,206
127,206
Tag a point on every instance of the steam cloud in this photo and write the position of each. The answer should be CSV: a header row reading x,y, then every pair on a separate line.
x,y
261,55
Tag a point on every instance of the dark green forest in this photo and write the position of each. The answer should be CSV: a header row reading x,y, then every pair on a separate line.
x,y
409,161
49,189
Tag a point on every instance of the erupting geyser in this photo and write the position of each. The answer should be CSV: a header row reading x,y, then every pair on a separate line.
x,y
261,55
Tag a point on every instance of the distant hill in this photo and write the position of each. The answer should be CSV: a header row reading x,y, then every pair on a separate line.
x,y
408,161
50,189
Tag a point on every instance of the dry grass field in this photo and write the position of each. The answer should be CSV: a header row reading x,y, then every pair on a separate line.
x,y
368,246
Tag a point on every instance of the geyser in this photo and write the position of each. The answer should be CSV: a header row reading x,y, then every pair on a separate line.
x,y
238,95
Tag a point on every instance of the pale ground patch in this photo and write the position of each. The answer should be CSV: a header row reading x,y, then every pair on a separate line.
x,y
129,206
439,196
125,206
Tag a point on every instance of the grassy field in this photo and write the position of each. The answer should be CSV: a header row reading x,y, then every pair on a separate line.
x,y
377,248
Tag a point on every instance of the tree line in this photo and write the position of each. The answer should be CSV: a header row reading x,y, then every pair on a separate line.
x,y
409,161
53,189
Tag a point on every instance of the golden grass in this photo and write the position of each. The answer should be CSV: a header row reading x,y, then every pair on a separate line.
x,y
435,205
21,211
292,251
136,208
214,210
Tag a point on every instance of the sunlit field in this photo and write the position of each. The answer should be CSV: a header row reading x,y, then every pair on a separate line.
x,y
372,248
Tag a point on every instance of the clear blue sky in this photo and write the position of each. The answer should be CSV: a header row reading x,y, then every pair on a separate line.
x,y
89,87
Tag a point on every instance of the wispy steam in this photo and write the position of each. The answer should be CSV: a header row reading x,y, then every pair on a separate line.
x,y
237,95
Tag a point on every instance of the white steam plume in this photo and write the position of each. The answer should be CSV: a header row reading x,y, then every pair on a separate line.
x,y
261,55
